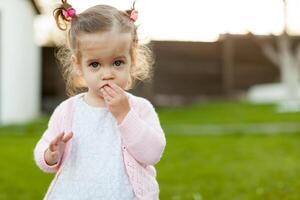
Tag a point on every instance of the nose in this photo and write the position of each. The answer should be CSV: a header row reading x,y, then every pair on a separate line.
x,y
107,73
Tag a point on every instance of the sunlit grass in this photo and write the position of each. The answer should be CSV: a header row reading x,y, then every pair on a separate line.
x,y
204,166
222,112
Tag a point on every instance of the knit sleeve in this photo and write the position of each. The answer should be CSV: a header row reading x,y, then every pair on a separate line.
x,y
53,129
142,134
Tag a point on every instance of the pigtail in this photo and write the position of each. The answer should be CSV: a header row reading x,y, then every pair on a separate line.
x,y
132,13
130,10
63,15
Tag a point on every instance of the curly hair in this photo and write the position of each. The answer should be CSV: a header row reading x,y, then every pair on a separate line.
x,y
99,18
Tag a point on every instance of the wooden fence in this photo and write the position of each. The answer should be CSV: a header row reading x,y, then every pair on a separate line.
x,y
188,71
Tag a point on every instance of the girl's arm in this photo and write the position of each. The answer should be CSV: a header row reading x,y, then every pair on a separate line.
x,y
50,133
142,134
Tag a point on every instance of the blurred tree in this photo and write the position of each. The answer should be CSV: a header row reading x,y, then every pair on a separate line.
x,y
287,59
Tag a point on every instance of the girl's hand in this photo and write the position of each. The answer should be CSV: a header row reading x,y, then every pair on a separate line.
x,y
56,148
116,100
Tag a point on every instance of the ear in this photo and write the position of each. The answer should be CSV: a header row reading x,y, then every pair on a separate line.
x,y
76,65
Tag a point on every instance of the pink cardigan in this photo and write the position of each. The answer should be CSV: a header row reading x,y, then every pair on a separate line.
x,y
143,143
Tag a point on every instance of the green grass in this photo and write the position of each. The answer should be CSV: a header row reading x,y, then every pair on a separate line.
x,y
231,167
20,178
221,167
220,112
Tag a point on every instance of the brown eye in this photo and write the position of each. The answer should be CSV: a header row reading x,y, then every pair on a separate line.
x,y
94,64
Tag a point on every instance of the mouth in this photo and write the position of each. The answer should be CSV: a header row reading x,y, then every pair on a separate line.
x,y
106,84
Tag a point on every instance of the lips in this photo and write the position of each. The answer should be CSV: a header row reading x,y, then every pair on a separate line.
x,y
106,84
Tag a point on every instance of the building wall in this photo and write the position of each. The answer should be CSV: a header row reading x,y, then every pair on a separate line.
x,y
20,63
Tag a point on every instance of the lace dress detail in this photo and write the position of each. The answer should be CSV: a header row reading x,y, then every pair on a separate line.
x,y
95,168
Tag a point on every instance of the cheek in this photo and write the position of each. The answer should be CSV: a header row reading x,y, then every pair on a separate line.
x,y
122,78
90,80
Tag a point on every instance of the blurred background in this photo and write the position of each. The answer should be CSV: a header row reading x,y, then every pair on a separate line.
x,y
226,87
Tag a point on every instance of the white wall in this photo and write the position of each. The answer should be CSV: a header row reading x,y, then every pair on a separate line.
x,y
20,63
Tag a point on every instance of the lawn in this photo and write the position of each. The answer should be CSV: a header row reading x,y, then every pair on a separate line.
x,y
195,165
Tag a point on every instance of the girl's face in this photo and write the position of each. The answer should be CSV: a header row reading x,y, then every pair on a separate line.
x,y
105,57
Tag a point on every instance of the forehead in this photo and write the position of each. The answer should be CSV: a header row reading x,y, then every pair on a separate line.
x,y
104,45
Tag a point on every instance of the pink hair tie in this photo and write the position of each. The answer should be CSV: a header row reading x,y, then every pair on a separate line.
x,y
134,15
69,12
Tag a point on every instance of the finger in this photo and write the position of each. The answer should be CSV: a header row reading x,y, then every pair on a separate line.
x,y
106,96
113,86
59,138
55,141
67,137
111,91
106,89
117,88
52,147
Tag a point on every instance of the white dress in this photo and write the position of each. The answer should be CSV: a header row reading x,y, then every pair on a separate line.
x,y
95,168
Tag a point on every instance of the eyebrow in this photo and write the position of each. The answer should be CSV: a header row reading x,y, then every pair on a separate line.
x,y
97,59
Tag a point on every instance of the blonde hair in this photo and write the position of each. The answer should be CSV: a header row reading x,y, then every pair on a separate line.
x,y
95,19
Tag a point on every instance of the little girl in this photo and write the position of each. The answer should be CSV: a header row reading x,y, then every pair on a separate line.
x,y
102,142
